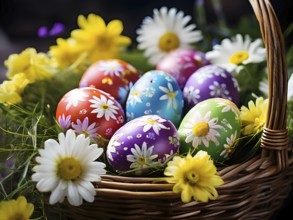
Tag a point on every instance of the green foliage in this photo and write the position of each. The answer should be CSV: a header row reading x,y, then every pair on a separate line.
x,y
138,60
248,80
290,119
246,148
24,129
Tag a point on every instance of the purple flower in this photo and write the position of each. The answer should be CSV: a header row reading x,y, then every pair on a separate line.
x,y
57,29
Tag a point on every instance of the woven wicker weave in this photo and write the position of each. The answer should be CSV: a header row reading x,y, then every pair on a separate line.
x,y
254,189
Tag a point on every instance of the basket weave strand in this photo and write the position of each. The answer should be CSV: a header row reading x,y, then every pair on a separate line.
x,y
277,77
253,189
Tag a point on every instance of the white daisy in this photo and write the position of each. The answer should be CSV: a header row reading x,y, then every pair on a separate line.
x,y
67,168
64,122
142,157
84,128
227,106
201,130
219,90
170,95
233,53
229,146
111,68
166,31
113,143
74,97
203,74
134,96
104,107
191,94
152,122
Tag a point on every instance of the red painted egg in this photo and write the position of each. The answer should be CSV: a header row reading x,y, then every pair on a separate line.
x,y
90,111
113,76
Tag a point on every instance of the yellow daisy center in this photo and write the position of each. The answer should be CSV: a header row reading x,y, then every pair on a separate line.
x,y
85,133
135,93
171,95
151,121
104,106
141,160
200,129
229,149
169,41
191,178
238,57
69,168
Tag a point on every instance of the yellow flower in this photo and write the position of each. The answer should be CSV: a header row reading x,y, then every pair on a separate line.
x,y
66,53
10,90
16,209
254,117
34,65
99,40
195,177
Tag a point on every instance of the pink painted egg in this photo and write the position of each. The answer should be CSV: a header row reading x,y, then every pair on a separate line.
x,y
181,63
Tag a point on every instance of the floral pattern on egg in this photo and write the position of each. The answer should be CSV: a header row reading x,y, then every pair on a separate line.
x,y
213,125
156,92
113,76
142,144
207,82
90,111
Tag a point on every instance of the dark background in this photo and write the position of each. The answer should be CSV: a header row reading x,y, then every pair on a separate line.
x,y
20,21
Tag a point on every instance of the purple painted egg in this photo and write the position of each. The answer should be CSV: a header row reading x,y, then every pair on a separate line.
x,y
181,63
210,81
142,145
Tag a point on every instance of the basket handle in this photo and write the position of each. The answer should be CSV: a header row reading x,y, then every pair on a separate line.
x,y
275,138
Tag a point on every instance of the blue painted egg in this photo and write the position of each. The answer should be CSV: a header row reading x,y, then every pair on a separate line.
x,y
155,92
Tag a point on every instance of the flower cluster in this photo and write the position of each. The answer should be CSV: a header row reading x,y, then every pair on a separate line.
x,y
56,156
93,40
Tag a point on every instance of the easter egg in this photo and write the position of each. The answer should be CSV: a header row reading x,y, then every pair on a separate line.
x,y
210,81
155,92
142,145
181,63
113,76
90,111
212,125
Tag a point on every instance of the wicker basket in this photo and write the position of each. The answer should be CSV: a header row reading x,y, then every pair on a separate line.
x,y
254,189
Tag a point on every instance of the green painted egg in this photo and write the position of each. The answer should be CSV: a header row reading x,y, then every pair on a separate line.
x,y
212,125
